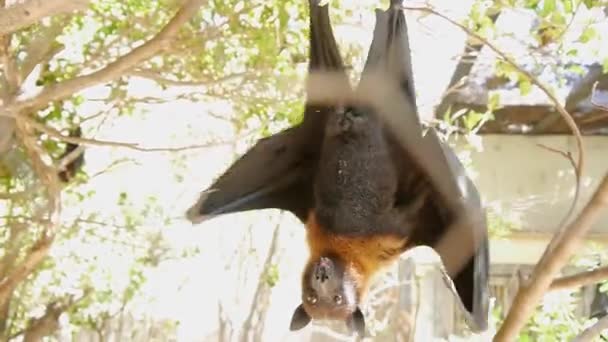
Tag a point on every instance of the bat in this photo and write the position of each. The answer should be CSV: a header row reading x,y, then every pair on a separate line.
x,y
364,179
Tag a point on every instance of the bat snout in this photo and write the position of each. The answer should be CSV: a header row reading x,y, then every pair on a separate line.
x,y
323,272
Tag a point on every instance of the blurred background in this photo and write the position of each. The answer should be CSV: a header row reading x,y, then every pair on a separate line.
x,y
157,126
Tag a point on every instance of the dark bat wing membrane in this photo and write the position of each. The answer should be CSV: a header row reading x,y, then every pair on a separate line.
x,y
277,172
455,211
272,174
390,52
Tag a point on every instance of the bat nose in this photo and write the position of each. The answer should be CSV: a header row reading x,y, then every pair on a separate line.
x,y
323,270
322,274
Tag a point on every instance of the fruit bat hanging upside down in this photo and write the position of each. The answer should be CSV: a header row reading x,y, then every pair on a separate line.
x,y
366,182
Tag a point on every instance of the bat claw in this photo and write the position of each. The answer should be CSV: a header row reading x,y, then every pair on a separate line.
x,y
193,214
319,3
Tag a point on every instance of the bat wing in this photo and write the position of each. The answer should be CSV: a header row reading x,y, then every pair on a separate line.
x,y
277,171
390,52
455,216
461,236
272,174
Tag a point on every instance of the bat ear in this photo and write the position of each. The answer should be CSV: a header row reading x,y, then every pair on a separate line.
x,y
300,319
356,322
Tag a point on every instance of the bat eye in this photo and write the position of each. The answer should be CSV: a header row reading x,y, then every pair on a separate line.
x,y
338,299
355,113
311,299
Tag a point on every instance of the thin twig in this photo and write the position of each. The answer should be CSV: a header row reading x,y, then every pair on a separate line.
x,y
570,159
112,166
570,22
134,146
149,74
254,324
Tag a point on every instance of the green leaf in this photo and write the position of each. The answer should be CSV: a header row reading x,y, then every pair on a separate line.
x,y
588,3
272,275
548,8
531,3
577,69
572,52
568,6
122,198
472,119
494,101
588,34
605,65
525,86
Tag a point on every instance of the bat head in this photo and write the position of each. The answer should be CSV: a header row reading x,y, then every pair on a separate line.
x,y
329,291
349,121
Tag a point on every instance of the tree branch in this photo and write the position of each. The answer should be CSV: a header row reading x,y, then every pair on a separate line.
x,y
149,74
41,247
9,84
529,294
580,279
29,12
48,323
7,129
580,91
584,87
33,258
52,132
46,173
11,247
10,80
254,324
41,49
592,331
11,196
115,69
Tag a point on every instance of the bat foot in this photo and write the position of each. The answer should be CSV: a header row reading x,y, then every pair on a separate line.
x,y
319,3
397,3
